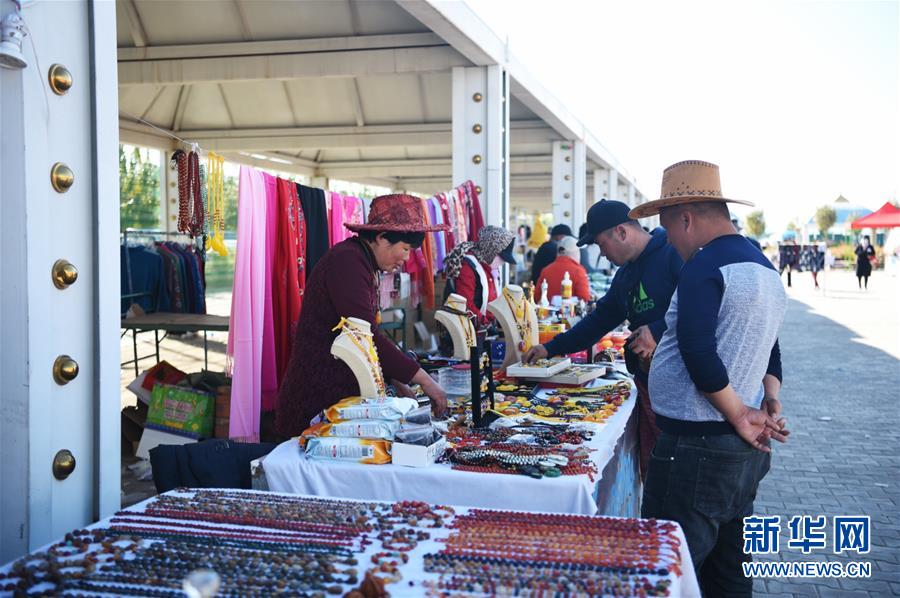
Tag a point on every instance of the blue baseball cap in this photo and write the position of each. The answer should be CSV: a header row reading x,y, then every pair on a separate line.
x,y
604,215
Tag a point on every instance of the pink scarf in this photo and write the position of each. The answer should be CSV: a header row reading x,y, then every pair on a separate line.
x,y
245,338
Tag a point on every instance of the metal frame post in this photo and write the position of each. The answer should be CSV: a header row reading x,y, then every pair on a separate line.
x,y
569,183
480,133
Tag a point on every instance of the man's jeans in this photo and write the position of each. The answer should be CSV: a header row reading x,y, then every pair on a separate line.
x,y
707,484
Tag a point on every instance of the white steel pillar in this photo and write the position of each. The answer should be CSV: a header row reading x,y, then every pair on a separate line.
x,y
59,357
481,137
631,200
612,184
599,184
579,178
569,183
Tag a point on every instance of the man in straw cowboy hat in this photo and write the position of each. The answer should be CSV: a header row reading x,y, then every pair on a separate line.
x,y
715,377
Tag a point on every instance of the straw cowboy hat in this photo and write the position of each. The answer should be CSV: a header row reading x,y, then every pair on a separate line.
x,y
691,181
397,213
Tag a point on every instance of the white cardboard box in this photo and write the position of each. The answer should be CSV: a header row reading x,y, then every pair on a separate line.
x,y
517,370
414,455
152,438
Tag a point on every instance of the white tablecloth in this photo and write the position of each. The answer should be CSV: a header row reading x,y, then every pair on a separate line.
x,y
287,469
685,586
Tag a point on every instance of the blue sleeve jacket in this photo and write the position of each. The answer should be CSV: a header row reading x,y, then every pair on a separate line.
x,y
640,292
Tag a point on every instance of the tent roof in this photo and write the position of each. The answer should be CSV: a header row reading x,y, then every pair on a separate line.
x,y
887,216
356,90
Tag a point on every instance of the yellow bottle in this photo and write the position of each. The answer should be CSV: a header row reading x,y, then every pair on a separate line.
x,y
566,287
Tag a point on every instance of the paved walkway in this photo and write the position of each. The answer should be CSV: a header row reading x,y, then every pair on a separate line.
x,y
841,358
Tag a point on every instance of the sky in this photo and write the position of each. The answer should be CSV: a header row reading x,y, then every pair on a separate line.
x,y
796,101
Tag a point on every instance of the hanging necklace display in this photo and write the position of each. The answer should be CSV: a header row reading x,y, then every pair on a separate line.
x,y
519,312
365,343
181,161
204,199
190,201
215,190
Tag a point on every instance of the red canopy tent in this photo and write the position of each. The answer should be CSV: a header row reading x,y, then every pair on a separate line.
x,y
887,216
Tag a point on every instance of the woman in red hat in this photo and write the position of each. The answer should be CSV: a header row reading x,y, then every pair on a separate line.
x,y
344,284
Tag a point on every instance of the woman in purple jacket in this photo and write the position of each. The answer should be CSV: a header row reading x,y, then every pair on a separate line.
x,y
344,284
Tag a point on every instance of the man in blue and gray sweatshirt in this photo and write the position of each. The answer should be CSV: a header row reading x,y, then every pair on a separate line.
x,y
715,378
640,293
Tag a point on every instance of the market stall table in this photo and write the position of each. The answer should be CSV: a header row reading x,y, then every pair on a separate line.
x,y
289,469
252,543
170,322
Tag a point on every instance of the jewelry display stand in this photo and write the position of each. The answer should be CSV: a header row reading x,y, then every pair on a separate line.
x,y
482,377
461,330
355,346
513,298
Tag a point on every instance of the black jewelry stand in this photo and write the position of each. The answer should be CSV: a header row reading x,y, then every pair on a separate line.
x,y
482,370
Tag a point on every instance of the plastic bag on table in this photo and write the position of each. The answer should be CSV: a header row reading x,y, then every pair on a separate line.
x,y
419,434
354,428
355,450
389,408
421,415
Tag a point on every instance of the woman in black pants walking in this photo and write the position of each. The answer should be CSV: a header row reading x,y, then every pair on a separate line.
x,y
865,255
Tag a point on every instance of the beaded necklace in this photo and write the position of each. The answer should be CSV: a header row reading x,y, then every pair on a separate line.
x,y
181,161
215,190
366,344
190,200
520,317
467,330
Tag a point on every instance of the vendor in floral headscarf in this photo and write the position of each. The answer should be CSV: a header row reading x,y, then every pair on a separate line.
x,y
469,269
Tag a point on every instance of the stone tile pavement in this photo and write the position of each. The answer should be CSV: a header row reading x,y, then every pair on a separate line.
x,y
841,359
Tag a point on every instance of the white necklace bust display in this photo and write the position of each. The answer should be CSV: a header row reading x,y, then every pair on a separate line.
x,y
518,319
461,330
355,346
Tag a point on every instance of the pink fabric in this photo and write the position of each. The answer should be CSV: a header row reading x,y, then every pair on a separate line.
x,y
457,202
336,218
245,339
269,385
334,207
353,212
344,209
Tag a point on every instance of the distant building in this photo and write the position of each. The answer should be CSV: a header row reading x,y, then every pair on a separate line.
x,y
840,232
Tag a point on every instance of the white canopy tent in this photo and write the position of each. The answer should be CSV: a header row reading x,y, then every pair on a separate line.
x,y
417,95
352,90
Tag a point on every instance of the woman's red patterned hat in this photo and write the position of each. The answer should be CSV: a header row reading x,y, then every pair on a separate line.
x,y
397,213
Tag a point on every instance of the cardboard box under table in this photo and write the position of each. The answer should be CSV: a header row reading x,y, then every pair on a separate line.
x,y
613,491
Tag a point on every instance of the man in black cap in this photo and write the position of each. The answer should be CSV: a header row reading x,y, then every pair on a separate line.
x,y
640,292
548,252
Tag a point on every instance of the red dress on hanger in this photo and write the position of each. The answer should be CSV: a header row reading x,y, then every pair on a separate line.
x,y
288,274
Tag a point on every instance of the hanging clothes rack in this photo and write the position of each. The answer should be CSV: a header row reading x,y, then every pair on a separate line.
x,y
141,232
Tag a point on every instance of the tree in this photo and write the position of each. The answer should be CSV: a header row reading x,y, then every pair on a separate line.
x,y
138,190
825,218
230,185
756,223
